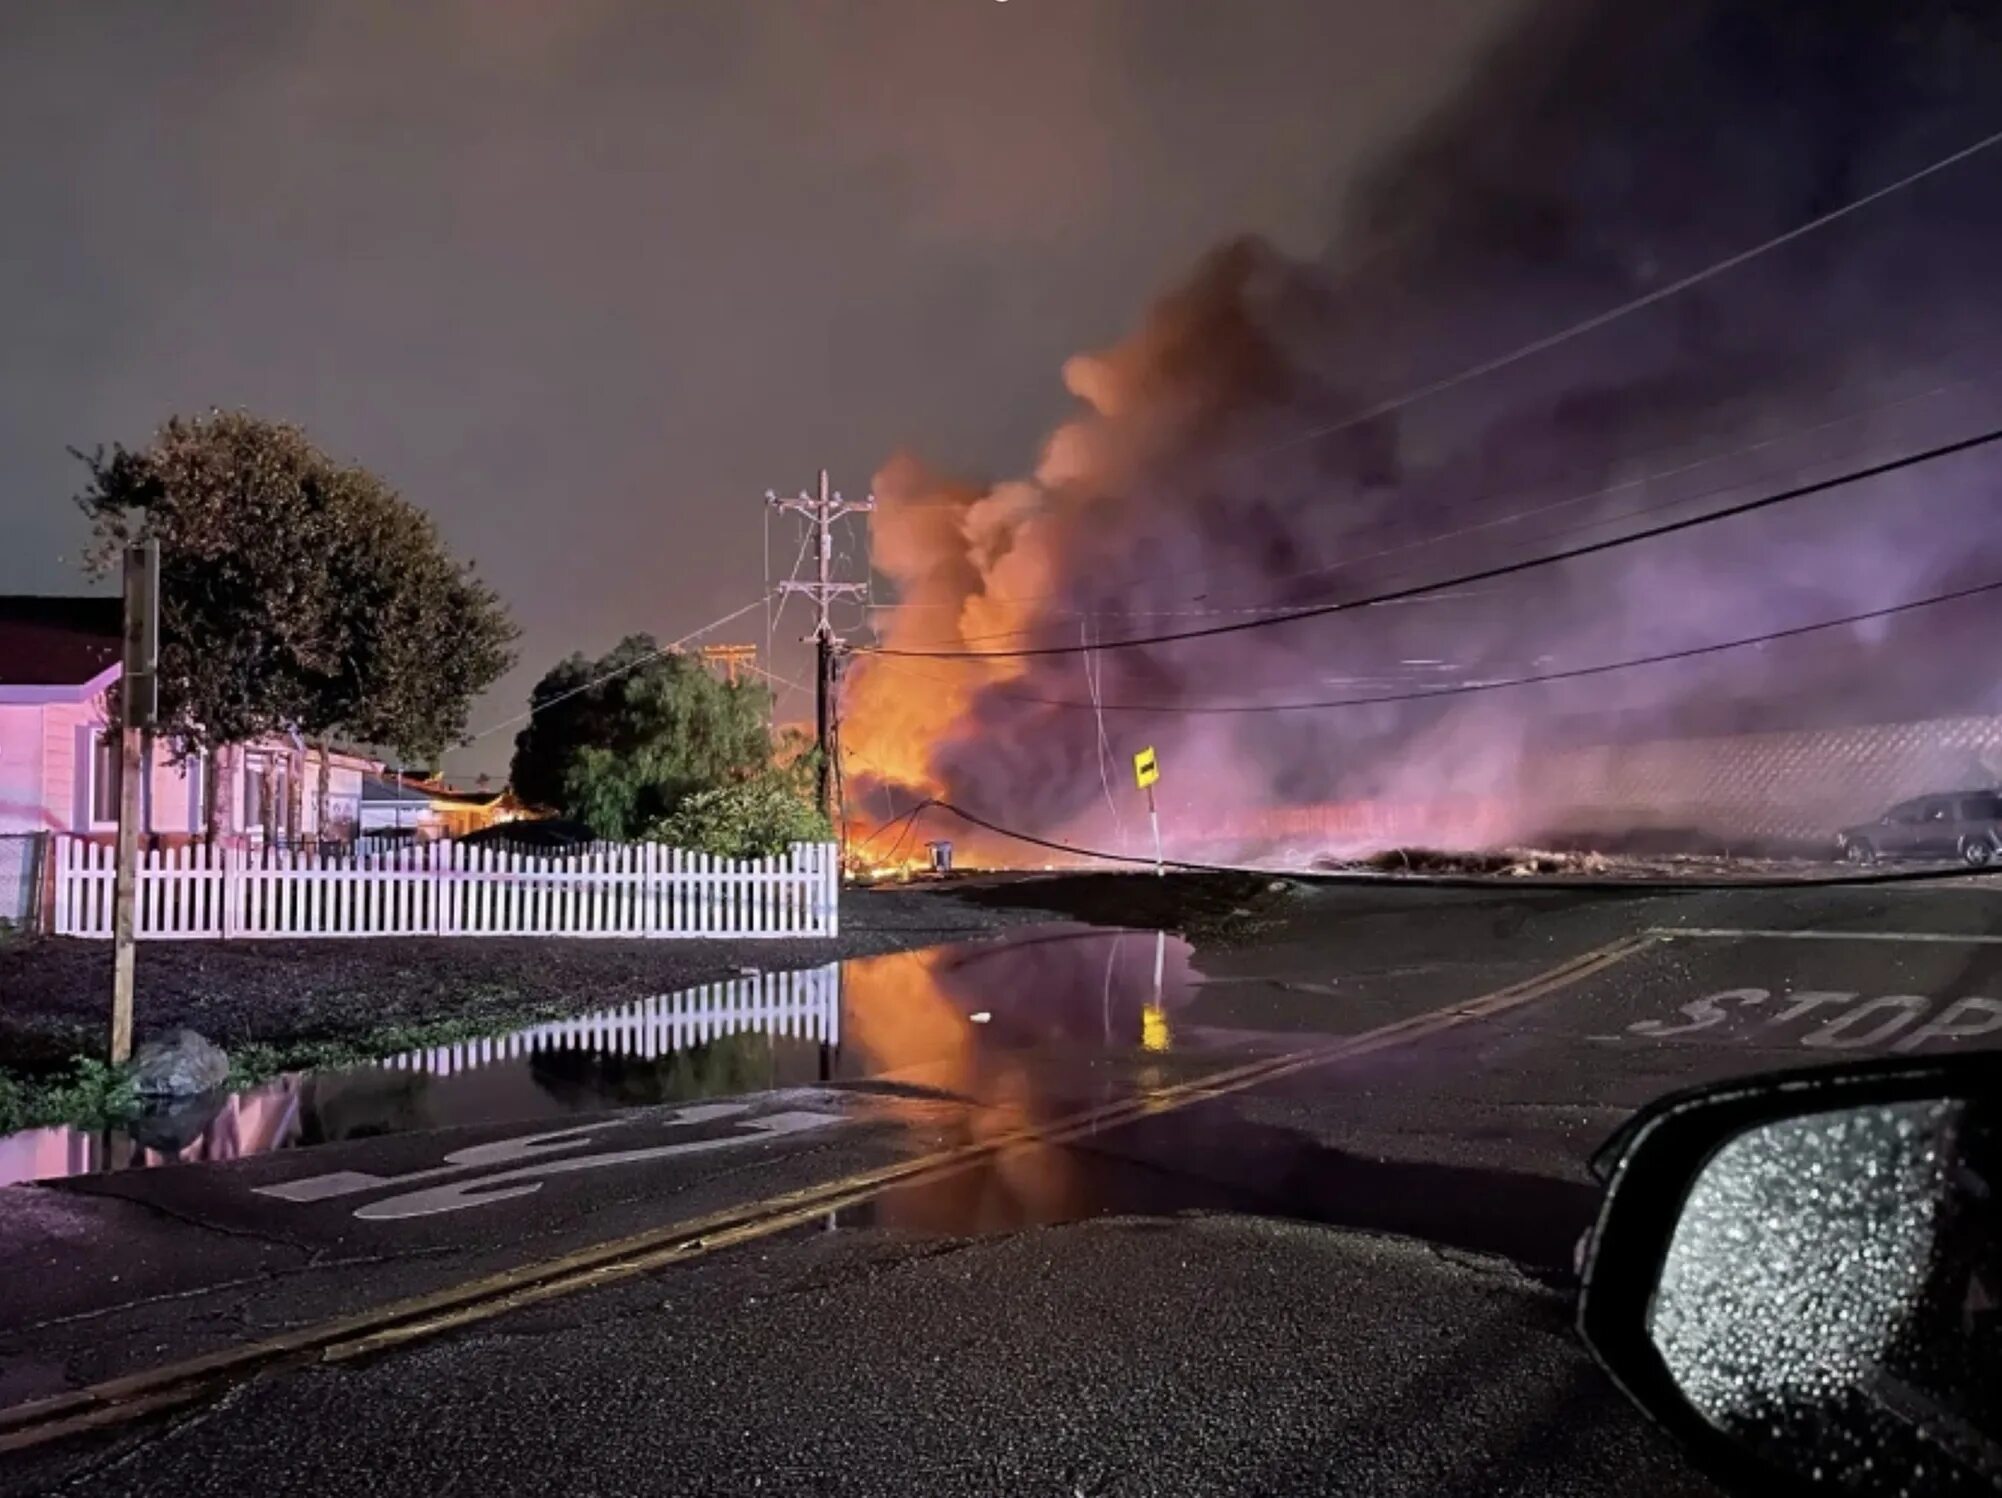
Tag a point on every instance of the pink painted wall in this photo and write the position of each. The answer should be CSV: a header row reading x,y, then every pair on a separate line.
x,y
45,753
22,767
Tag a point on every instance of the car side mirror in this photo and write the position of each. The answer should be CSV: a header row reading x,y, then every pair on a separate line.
x,y
1800,1277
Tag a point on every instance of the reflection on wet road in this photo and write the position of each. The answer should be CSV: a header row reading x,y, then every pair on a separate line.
x,y
955,1021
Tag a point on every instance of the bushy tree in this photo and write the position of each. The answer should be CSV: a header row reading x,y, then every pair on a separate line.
x,y
754,819
619,742
297,595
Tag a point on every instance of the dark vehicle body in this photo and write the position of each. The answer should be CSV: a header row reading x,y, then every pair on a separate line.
x,y
1962,824
537,835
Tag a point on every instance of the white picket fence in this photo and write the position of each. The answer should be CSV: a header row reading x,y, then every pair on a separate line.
x,y
448,889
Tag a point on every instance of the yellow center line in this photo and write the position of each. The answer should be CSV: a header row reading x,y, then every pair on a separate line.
x,y
131,1396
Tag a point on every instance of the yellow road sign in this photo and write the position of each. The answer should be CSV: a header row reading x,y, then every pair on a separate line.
x,y
1146,769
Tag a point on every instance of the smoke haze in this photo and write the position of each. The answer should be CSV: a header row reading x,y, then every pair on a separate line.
x,y
1601,152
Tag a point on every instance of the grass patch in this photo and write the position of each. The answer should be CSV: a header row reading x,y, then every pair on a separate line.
x,y
81,1090
87,1092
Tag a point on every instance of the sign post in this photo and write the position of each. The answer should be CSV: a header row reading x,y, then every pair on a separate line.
x,y
1147,770
138,702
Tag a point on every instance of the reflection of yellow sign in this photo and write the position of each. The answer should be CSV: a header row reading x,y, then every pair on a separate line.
x,y
1154,1034
1146,769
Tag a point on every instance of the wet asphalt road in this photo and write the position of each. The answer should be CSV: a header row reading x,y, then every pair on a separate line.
x,y
1181,1302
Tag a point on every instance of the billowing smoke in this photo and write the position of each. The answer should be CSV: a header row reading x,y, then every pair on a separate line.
x,y
1216,470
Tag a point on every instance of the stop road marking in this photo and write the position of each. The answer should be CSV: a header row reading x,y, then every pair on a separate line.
x,y
1841,1020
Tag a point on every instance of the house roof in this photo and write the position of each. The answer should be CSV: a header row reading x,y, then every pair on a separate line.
x,y
381,788
57,641
411,792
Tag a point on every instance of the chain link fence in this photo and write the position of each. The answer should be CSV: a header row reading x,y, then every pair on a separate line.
x,y
1779,788
22,859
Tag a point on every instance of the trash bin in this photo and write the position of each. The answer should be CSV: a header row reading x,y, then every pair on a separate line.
x,y
941,857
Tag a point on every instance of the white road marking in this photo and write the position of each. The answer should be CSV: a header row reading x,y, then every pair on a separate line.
x,y
1949,938
497,1152
1890,1014
1944,1027
1840,1033
1809,1000
456,1196
1703,1013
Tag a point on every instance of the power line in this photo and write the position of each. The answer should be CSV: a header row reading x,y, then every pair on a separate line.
x,y
1635,304
1498,522
1474,881
1508,569
785,589
655,654
1613,314
1463,688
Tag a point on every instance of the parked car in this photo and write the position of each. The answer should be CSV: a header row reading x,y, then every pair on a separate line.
x,y
1965,825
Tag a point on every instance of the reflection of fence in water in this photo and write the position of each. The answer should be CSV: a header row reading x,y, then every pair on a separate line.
x,y
802,1005
245,1124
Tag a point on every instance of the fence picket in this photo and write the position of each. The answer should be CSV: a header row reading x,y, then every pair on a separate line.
x,y
643,890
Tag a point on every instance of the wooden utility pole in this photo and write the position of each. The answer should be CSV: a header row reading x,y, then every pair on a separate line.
x,y
729,659
138,703
822,510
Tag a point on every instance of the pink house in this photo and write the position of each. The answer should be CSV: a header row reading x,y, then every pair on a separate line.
x,y
59,772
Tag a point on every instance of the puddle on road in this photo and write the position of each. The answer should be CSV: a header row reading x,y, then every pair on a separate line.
x,y
955,1018
1211,1161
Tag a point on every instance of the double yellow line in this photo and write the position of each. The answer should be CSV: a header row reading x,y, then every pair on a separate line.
x,y
129,1397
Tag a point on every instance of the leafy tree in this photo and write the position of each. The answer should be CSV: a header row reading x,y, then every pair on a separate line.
x,y
620,741
297,595
754,819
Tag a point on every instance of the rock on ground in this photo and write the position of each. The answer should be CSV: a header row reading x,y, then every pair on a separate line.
x,y
179,1064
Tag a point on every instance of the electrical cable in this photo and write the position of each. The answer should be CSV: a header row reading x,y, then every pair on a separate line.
x,y
785,594
1420,543
655,654
1476,881
1508,569
771,707
1104,743
1463,688
1634,304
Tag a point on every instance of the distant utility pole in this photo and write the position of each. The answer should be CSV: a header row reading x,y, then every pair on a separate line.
x,y
138,706
821,511
729,659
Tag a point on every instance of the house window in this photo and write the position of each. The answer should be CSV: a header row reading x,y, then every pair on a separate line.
x,y
197,770
266,802
251,814
106,763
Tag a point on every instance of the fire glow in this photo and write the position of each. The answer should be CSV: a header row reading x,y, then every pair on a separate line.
x,y
1232,456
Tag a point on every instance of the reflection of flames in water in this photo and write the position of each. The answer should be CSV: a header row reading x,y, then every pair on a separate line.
x,y
909,1018
899,1017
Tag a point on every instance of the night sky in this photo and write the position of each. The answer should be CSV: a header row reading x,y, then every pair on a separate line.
x,y
585,280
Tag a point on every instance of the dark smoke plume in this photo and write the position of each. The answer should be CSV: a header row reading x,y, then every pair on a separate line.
x,y
1603,151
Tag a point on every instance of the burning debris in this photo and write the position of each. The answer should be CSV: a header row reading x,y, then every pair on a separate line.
x,y
1512,861
1227,461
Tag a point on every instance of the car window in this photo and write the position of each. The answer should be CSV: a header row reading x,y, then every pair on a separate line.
x,y
1906,811
1981,809
1938,811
